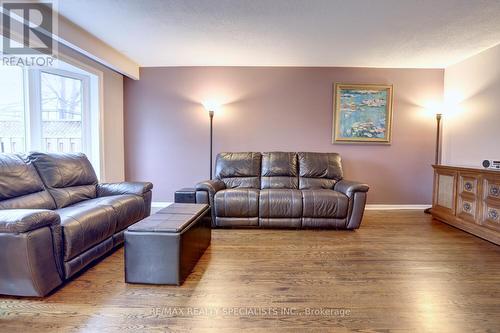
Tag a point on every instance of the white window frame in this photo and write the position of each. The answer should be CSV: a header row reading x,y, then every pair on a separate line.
x,y
35,113
92,107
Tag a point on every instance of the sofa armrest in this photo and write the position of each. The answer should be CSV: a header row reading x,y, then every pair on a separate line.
x,y
31,263
356,192
137,188
23,220
349,187
142,189
211,186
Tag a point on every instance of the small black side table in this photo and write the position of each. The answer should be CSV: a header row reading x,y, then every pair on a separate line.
x,y
185,195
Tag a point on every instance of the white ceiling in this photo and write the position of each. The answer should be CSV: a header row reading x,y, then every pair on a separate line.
x,y
374,33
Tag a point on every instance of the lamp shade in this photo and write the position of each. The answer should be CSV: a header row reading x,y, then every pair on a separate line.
x,y
211,105
435,108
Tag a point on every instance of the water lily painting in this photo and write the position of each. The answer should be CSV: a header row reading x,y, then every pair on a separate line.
x,y
362,113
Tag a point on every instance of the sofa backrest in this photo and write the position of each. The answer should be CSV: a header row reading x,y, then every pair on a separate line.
x,y
279,170
238,169
69,178
319,170
21,186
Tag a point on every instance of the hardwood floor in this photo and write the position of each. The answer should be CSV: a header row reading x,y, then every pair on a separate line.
x,y
399,272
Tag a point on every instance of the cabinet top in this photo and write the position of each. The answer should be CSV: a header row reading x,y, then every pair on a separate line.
x,y
467,169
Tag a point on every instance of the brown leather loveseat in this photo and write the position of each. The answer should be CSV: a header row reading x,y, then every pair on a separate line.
x,y
282,189
55,219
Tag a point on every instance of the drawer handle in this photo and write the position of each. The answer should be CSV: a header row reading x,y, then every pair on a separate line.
x,y
493,214
467,207
468,186
495,191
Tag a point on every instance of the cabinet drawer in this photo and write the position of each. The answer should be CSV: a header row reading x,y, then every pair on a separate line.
x,y
468,183
491,216
491,188
467,208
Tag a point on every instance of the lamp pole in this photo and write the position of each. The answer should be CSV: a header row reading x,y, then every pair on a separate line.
x,y
438,139
437,156
211,115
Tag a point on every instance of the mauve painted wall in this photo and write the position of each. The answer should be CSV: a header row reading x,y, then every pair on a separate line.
x,y
275,109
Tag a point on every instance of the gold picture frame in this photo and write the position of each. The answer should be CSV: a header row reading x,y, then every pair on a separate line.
x,y
362,113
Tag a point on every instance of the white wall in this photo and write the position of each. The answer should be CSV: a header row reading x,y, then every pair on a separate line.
x,y
472,123
114,146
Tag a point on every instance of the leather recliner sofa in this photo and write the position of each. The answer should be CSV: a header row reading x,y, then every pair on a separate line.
x,y
282,189
55,219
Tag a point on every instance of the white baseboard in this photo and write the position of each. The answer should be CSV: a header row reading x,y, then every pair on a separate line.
x,y
396,207
161,204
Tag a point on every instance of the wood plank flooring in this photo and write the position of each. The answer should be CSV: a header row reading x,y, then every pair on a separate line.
x,y
401,272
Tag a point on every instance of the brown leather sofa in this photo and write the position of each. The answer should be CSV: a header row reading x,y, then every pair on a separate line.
x,y
55,219
282,189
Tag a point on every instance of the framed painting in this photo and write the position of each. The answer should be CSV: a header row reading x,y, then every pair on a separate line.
x,y
362,113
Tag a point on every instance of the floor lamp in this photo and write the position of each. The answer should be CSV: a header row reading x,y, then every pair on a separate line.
x,y
211,115
437,159
437,156
211,107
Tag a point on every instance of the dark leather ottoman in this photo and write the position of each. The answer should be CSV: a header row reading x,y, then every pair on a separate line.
x,y
185,195
163,248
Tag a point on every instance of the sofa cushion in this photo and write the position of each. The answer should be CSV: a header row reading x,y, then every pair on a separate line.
x,y
128,208
17,177
280,203
323,223
238,169
73,266
38,200
84,226
237,221
241,202
67,196
279,170
319,170
278,222
324,203
21,186
70,178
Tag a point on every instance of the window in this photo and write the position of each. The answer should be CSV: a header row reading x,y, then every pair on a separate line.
x,y
12,110
63,116
49,109
61,107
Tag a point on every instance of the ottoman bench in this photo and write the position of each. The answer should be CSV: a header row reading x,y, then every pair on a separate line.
x,y
163,248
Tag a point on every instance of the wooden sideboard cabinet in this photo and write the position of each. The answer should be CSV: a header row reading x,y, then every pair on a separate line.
x,y
468,199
